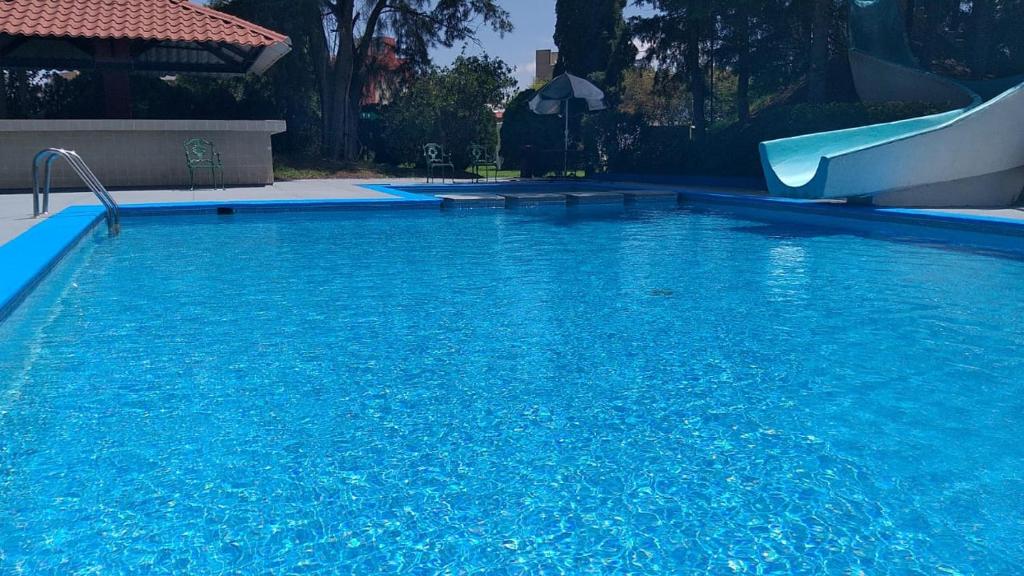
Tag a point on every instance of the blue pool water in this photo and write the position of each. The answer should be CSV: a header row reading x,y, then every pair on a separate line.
x,y
526,392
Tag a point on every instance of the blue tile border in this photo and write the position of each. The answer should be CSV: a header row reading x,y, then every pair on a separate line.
x,y
26,260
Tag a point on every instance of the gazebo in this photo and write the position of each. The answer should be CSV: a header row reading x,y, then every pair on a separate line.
x,y
117,38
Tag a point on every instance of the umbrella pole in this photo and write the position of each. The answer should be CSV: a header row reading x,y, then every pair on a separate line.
x,y
565,153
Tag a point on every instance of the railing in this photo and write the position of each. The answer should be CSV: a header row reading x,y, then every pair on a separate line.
x,y
45,161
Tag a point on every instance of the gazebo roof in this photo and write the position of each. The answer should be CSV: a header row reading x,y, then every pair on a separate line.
x,y
155,36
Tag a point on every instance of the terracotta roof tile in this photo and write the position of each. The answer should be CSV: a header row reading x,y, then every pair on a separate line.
x,y
175,20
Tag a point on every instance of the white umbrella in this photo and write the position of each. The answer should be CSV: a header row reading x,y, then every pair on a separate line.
x,y
557,94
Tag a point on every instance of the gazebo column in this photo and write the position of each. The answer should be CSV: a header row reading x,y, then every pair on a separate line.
x,y
114,62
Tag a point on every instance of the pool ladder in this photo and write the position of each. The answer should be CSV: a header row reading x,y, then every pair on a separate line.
x,y
44,160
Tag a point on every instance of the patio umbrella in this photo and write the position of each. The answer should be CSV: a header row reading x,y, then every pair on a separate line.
x,y
557,94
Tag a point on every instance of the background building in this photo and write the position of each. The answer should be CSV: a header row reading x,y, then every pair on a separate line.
x,y
546,60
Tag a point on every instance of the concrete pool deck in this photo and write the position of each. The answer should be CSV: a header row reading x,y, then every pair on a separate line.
x,y
16,209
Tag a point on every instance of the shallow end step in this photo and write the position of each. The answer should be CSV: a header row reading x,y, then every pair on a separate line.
x,y
534,198
471,200
594,197
651,195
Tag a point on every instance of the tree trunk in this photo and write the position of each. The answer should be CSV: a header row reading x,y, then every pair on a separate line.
x,y
342,117
339,83
339,106
345,80
711,72
351,144
322,61
982,15
909,10
698,81
743,67
817,73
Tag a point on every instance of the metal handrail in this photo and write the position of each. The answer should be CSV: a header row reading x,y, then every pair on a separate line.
x,y
45,159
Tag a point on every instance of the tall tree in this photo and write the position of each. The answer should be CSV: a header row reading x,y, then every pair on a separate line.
x,y
739,23
593,40
679,37
349,31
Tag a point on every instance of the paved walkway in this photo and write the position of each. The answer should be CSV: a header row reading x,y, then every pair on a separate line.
x,y
16,209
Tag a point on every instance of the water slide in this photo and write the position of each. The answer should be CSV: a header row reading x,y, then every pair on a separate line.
x,y
970,156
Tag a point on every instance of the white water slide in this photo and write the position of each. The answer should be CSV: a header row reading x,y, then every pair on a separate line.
x,y
971,156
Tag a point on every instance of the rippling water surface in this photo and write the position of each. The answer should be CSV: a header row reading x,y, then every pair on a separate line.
x,y
666,391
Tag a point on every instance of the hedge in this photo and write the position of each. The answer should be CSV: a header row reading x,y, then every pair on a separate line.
x,y
733,150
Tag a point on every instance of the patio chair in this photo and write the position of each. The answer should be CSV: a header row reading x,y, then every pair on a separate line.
x,y
202,155
436,157
480,157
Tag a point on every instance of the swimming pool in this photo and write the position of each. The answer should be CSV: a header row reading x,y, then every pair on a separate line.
x,y
670,390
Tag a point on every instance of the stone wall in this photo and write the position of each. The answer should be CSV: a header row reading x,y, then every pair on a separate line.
x,y
137,153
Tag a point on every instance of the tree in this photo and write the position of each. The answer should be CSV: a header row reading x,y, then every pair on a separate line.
x,y
737,39
290,88
593,40
742,27
453,106
655,103
680,39
348,32
983,13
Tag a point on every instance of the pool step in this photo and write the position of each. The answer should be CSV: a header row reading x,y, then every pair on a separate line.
x,y
651,195
472,201
575,198
533,198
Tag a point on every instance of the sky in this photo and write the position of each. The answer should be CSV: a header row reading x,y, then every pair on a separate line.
x,y
534,22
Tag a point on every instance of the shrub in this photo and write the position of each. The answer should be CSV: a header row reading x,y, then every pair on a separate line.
x,y
450,106
522,128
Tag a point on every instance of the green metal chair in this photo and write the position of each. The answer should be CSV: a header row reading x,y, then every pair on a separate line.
x,y
436,157
202,155
480,157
